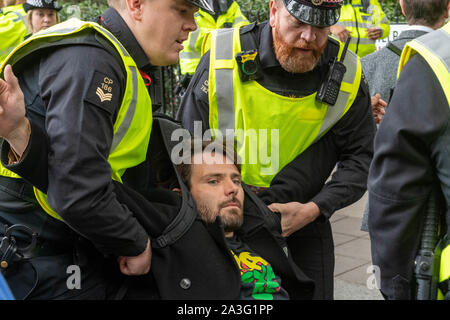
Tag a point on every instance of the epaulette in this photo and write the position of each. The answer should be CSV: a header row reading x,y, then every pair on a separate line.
x,y
248,28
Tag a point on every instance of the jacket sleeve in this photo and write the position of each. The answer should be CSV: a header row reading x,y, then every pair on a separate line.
x,y
79,126
410,147
32,166
348,146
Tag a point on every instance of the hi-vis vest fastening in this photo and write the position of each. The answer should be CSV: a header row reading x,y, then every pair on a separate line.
x,y
12,28
437,55
133,125
262,118
191,54
355,20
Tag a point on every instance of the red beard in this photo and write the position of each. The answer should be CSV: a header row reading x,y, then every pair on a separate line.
x,y
291,58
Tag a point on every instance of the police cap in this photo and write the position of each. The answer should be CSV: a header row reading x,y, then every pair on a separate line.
x,y
202,4
318,13
41,4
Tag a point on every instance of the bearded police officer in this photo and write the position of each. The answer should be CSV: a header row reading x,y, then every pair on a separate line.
x,y
262,81
84,89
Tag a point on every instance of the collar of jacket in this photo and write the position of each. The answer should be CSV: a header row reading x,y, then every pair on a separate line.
x,y
114,23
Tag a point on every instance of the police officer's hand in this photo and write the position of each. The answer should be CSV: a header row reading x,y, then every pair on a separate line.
x,y
378,108
138,265
295,215
374,33
14,126
341,32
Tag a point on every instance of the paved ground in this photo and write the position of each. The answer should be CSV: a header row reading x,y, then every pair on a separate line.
x,y
352,251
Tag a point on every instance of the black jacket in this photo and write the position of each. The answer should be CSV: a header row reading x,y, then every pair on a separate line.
x,y
411,157
198,254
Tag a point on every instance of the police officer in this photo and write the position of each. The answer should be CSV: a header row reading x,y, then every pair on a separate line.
x,y
12,26
97,117
411,158
364,21
264,81
41,14
227,14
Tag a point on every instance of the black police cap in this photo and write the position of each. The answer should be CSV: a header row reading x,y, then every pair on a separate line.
x,y
41,4
318,13
202,4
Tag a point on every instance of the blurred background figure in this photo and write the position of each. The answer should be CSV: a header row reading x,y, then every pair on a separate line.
x,y
12,26
227,15
365,22
41,14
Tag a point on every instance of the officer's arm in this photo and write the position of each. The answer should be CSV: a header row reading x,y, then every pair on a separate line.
x,y
412,139
79,125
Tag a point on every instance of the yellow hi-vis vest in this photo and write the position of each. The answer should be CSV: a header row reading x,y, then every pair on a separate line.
x,y
433,47
12,29
133,125
357,22
264,121
191,54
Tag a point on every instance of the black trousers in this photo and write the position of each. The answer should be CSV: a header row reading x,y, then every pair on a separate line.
x,y
312,249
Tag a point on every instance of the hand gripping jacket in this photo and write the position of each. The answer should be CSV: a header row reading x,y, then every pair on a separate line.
x,y
264,121
190,56
12,28
431,47
134,120
357,17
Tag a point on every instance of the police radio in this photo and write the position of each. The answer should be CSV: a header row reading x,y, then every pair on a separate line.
x,y
329,90
249,65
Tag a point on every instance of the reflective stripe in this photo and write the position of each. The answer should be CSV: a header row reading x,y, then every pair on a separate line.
x,y
51,31
128,118
193,38
435,45
224,80
335,112
352,24
190,55
239,19
362,41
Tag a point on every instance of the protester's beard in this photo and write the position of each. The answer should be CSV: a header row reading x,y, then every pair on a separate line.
x,y
231,221
291,59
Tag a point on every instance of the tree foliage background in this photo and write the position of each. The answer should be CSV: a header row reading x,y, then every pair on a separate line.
x,y
254,10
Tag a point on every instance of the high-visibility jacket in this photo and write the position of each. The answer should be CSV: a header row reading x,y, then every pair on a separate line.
x,y
12,29
133,124
263,120
437,55
191,54
357,19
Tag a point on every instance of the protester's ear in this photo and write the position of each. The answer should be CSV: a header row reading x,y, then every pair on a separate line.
x,y
135,8
177,190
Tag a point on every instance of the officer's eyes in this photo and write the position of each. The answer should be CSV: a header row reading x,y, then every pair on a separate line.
x,y
213,182
237,181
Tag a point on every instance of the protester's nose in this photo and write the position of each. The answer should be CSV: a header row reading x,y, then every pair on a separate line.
x,y
231,188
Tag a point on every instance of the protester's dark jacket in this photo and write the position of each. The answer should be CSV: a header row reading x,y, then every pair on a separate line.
x,y
199,256
412,156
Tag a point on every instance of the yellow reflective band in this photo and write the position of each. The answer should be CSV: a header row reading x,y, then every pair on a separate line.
x,y
444,272
42,200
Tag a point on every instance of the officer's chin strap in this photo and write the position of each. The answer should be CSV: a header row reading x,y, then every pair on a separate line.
x,y
10,251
